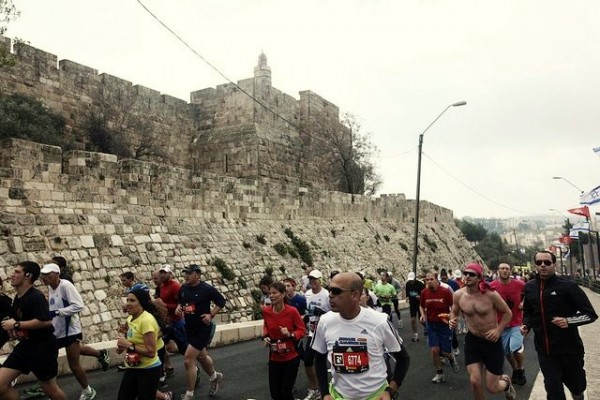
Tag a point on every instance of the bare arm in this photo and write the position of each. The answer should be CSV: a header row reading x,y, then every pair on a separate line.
x,y
455,311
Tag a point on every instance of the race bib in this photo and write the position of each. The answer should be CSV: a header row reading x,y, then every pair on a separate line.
x,y
281,347
189,308
350,358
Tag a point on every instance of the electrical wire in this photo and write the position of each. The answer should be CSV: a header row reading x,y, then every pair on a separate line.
x,y
473,190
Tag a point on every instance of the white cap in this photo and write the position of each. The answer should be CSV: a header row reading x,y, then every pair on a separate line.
x,y
315,274
411,276
50,268
457,274
166,268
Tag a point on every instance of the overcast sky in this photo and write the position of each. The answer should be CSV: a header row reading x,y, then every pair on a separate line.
x,y
529,71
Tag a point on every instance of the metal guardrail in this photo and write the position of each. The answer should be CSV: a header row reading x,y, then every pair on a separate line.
x,y
589,283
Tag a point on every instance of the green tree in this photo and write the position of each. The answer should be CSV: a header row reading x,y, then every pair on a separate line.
x,y
23,117
8,12
473,232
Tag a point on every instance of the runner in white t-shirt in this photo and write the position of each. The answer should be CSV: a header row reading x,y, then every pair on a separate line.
x,y
354,340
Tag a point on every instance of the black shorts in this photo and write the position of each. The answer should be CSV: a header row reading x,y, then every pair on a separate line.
x,y
414,308
69,340
37,356
481,350
200,338
309,353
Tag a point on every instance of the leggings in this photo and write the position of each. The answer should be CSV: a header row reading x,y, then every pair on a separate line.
x,y
139,383
282,376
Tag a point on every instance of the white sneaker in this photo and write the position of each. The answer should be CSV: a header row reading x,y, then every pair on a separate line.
x,y
456,351
438,378
186,397
88,396
214,384
313,394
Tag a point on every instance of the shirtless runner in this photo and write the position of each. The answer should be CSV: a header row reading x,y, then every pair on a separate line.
x,y
480,305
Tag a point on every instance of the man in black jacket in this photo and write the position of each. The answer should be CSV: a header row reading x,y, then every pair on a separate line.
x,y
554,307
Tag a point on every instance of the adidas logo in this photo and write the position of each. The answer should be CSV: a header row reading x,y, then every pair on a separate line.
x,y
364,332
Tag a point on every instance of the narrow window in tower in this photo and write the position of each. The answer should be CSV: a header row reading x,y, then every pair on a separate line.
x,y
226,163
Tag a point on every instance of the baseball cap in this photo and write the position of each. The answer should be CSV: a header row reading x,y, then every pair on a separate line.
x,y
50,268
457,274
139,286
166,268
411,276
192,268
315,274
475,268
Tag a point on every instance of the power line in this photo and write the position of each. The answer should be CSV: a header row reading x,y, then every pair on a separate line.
x,y
473,190
396,155
257,101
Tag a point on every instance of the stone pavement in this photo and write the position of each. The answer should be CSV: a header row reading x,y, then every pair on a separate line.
x,y
590,334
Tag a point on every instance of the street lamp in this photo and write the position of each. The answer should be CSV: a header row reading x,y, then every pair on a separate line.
x,y
568,181
418,197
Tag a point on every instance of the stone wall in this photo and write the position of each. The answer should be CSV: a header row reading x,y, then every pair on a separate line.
x,y
107,216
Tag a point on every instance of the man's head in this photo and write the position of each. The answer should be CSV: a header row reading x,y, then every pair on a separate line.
x,y
127,279
290,286
504,272
545,264
345,290
265,284
411,276
444,275
25,274
314,279
457,274
165,273
473,274
385,277
191,274
156,278
50,275
431,280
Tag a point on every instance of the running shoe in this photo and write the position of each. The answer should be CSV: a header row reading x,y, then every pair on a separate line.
x,y
438,378
214,384
104,359
186,397
35,390
519,377
456,351
577,396
455,366
509,393
88,396
415,337
313,394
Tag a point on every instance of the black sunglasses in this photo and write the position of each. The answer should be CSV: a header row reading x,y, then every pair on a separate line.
x,y
469,274
336,291
547,263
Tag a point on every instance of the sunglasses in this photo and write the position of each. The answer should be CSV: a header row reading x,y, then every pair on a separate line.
x,y
469,274
547,263
336,291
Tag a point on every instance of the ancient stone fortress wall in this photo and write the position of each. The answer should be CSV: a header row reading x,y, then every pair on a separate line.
x,y
74,91
107,216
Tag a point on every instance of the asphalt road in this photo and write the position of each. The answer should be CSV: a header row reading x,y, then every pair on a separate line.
x,y
245,368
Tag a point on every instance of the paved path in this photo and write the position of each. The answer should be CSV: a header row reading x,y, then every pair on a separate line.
x,y
591,340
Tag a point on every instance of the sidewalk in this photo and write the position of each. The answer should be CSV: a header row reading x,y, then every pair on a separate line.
x,y
590,334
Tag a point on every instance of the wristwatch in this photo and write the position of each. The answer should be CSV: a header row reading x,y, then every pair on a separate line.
x,y
17,325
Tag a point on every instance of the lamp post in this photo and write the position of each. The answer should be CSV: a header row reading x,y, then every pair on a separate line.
x,y
418,197
569,182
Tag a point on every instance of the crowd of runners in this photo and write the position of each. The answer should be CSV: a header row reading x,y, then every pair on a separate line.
x,y
342,330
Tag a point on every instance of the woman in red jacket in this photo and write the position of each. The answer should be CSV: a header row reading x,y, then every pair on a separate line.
x,y
282,328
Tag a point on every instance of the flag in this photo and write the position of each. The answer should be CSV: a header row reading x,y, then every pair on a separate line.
x,y
597,150
591,197
564,239
583,211
583,227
